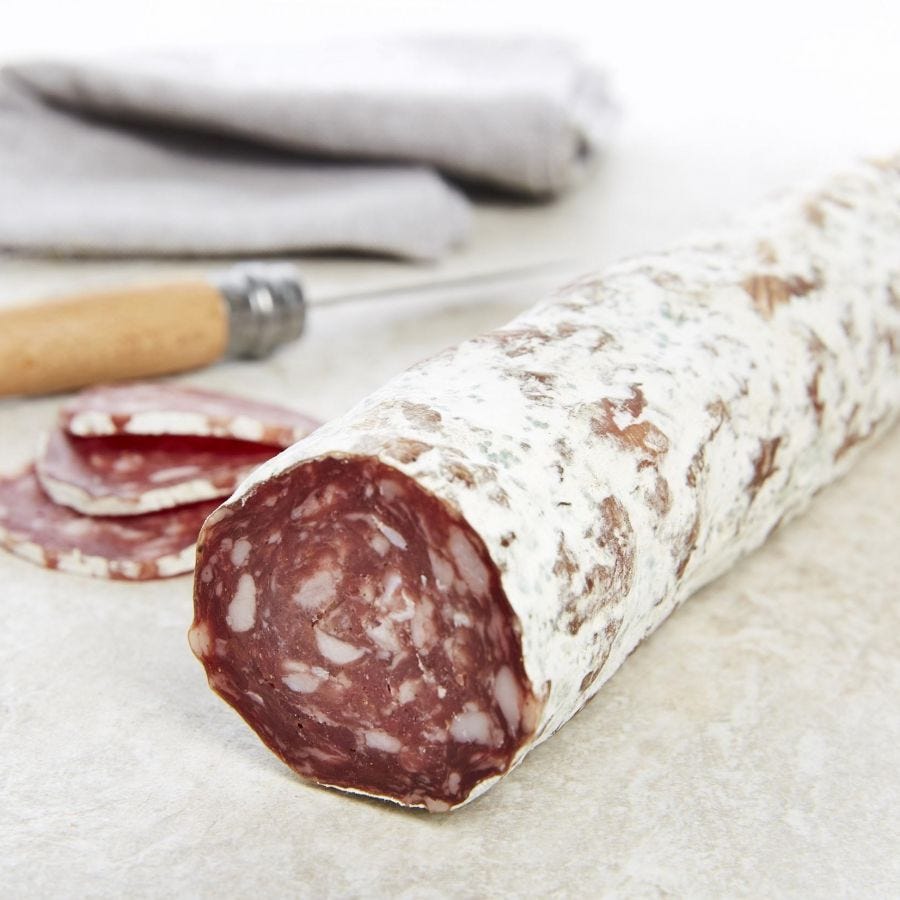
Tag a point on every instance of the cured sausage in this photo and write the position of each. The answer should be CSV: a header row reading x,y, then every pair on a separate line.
x,y
123,475
154,408
412,598
156,545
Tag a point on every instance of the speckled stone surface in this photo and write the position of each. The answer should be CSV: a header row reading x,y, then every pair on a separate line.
x,y
750,747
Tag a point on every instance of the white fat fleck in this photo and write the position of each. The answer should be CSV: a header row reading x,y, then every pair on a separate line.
x,y
302,682
92,422
167,422
441,691
506,692
469,564
246,429
240,551
77,527
392,581
241,614
390,490
408,611
380,740
221,647
422,628
336,650
391,534
206,574
256,698
408,690
274,538
443,571
174,473
200,640
316,591
471,727
453,782
128,462
435,735
461,619
383,635
314,502
380,544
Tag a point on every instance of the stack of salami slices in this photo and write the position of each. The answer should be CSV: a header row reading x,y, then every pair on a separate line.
x,y
124,481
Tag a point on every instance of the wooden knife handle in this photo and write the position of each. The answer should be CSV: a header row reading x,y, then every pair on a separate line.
x,y
109,336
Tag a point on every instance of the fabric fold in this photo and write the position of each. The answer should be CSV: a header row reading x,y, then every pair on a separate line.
x,y
340,145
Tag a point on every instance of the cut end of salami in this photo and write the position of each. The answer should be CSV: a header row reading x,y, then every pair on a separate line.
x,y
358,624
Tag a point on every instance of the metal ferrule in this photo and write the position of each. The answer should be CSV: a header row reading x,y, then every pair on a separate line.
x,y
266,308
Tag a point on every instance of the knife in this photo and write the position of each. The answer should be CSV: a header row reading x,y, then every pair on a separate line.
x,y
159,329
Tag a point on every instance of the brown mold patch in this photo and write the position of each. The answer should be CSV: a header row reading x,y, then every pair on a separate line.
x,y
603,584
405,450
854,435
849,327
718,410
518,342
499,496
563,448
469,474
771,291
636,403
813,391
536,386
458,472
565,566
602,341
515,342
814,213
893,292
660,498
604,640
421,415
763,465
374,420
641,438
689,545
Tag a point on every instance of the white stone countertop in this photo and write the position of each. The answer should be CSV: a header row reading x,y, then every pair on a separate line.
x,y
750,747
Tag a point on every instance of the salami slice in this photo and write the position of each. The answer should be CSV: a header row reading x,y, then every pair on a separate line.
x,y
156,545
153,408
409,600
123,475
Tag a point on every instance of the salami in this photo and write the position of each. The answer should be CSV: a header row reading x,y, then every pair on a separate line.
x,y
409,600
156,545
152,408
123,475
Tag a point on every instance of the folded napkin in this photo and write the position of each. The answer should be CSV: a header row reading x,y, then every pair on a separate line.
x,y
328,146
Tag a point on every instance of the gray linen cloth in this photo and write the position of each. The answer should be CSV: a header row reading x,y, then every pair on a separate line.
x,y
334,145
